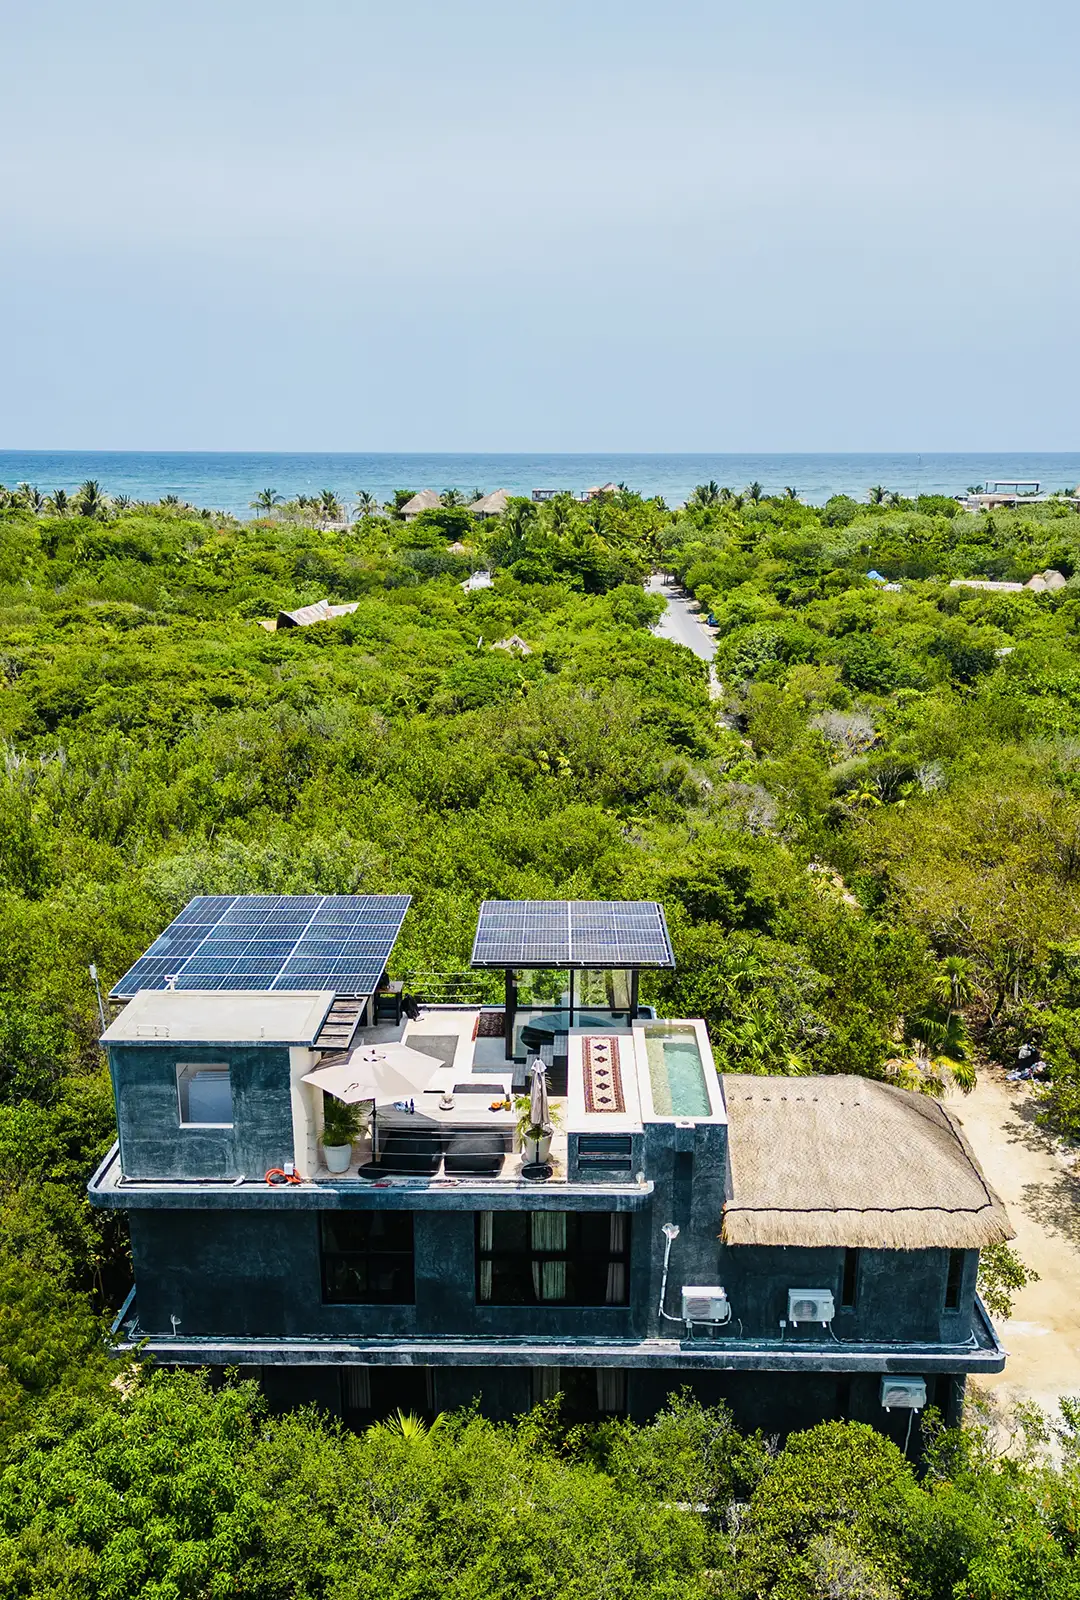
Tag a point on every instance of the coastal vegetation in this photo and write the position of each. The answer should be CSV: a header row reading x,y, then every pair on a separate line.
x,y
868,845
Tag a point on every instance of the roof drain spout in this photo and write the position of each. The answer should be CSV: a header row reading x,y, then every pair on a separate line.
x,y
671,1233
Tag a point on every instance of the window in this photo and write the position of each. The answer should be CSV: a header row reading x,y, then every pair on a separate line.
x,y
849,1287
954,1280
586,1392
205,1095
535,1258
367,1258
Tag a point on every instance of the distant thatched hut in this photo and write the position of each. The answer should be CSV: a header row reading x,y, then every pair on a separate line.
x,y
515,645
423,500
491,505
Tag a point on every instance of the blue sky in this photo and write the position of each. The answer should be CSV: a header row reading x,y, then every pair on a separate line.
x,y
538,224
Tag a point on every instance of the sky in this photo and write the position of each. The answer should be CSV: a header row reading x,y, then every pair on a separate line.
x,y
540,225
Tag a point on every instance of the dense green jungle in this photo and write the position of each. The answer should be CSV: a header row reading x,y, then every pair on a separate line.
x,y
867,840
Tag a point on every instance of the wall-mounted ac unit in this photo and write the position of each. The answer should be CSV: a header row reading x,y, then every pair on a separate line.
x,y
810,1305
705,1303
906,1394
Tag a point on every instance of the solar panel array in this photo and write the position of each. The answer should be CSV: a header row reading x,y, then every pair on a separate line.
x,y
572,933
273,941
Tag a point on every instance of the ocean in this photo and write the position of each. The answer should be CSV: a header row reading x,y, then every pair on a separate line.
x,y
229,481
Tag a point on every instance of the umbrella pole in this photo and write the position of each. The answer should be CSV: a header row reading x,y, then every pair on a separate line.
x,y
374,1134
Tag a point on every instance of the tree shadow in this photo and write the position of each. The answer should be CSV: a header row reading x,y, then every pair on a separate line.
x,y
1055,1206
1023,1127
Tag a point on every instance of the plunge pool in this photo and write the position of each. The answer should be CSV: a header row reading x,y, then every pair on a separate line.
x,y
676,1071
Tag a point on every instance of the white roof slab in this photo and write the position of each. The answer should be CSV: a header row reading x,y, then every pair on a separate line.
x,y
217,1016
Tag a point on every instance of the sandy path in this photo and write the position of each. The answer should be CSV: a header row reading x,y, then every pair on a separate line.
x,y
1032,1176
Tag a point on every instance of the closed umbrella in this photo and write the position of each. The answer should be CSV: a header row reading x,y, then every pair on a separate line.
x,y
539,1110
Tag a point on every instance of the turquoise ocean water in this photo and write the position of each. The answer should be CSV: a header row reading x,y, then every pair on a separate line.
x,y
229,481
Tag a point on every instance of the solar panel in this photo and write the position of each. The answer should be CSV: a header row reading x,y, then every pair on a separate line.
x,y
572,933
300,941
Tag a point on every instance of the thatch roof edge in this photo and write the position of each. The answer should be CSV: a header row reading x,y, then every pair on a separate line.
x,y
869,1230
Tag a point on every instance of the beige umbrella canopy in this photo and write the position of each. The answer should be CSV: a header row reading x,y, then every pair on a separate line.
x,y
383,1073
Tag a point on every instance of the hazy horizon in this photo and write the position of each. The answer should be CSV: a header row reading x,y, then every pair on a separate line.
x,y
563,227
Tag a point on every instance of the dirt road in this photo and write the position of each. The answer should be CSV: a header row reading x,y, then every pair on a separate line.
x,y
1032,1175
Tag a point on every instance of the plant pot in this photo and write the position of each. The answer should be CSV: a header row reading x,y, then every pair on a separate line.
x,y
338,1157
534,1152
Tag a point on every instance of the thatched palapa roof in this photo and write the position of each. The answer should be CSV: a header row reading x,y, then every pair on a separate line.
x,y
423,500
491,505
826,1161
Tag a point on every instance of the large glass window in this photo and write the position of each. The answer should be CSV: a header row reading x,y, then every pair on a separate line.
x,y
367,1257
536,1258
205,1095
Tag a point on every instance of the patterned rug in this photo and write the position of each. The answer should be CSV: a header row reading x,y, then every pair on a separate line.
x,y
603,1079
492,1025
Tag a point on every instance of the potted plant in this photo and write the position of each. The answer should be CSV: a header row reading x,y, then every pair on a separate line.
x,y
341,1125
534,1139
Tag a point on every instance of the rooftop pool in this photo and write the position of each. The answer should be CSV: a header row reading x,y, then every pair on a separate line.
x,y
676,1070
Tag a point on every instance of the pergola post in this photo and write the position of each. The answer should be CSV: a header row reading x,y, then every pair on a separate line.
x,y
509,1010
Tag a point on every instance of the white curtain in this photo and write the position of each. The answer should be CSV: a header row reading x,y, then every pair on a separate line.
x,y
357,1386
616,1272
610,1389
487,1235
547,1232
546,1383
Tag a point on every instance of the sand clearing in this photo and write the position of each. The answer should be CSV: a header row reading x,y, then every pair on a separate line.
x,y
1032,1174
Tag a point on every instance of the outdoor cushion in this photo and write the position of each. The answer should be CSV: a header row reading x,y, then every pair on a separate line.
x,y
480,1153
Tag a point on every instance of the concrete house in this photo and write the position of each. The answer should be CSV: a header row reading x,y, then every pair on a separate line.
x,y
801,1248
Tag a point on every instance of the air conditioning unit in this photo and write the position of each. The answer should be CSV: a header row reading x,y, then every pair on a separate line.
x,y
906,1394
705,1304
810,1305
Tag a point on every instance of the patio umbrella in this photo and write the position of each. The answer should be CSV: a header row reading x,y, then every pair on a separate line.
x,y
539,1110
383,1073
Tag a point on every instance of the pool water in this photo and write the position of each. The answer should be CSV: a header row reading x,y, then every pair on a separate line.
x,y
677,1073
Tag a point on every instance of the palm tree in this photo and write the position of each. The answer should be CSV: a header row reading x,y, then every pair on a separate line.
x,y
754,491
34,499
895,498
706,494
90,500
942,1051
121,502
59,504
954,983
366,503
452,497
329,506
877,494
406,1425
791,493
266,500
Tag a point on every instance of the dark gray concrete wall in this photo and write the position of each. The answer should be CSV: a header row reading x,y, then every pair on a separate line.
x,y
153,1144
245,1274
775,1403
901,1293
